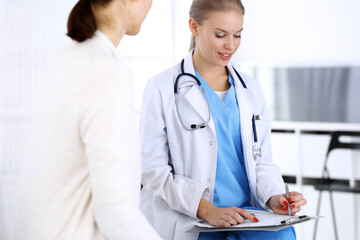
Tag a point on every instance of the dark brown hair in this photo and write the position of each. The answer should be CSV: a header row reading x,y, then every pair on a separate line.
x,y
200,8
82,23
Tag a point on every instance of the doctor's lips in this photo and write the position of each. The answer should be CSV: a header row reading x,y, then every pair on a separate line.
x,y
225,56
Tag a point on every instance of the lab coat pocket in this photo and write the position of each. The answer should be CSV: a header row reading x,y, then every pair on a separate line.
x,y
164,218
260,121
262,125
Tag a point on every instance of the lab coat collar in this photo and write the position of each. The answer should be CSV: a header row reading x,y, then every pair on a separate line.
x,y
194,95
243,95
107,43
189,64
245,99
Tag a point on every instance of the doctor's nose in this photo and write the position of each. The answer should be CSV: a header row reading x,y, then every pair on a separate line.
x,y
229,44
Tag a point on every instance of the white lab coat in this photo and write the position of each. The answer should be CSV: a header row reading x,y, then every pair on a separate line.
x,y
179,166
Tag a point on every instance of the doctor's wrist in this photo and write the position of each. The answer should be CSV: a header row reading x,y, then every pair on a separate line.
x,y
204,209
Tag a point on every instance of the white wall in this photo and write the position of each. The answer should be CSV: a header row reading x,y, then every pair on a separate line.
x,y
151,51
30,30
305,33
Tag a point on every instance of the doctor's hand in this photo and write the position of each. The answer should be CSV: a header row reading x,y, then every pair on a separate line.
x,y
279,203
223,217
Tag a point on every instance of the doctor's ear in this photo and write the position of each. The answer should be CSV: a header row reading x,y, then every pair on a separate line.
x,y
193,25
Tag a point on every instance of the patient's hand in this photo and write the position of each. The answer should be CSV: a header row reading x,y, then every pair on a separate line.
x,y
223,217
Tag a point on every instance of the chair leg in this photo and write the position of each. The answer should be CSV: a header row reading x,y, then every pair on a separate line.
x,y
333,215
317,214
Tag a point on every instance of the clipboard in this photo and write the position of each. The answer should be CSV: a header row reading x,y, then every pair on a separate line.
x,y
270,223
293,221
227,229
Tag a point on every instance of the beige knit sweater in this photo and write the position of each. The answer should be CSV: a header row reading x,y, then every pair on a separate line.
x,y
81,179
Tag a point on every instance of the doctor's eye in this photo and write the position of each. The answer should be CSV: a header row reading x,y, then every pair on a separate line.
x,y
237,36
219,35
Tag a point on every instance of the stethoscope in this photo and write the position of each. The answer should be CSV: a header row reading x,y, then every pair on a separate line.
x,y
256,149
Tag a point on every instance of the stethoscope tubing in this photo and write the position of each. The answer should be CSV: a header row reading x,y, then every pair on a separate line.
x,y
183,74
256,152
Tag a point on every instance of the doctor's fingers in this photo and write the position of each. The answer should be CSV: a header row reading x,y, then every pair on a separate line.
x,y
282,201
237,217
229,219
295,210
295,197
245,214
222,223
298,204
231,216
285,212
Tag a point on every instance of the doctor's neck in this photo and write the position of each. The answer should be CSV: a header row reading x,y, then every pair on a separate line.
x,y
206,68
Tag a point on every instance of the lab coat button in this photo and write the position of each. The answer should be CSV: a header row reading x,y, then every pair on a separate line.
x,y
209,180
211,143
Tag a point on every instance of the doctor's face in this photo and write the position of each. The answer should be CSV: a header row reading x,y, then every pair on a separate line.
x,y
218,37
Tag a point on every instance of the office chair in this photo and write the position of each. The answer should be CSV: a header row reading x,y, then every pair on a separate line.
x,y
328,184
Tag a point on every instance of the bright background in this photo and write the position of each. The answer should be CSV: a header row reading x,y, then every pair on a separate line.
x,y
278,35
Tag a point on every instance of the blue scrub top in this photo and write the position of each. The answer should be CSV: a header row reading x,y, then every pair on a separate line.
x,y
231,183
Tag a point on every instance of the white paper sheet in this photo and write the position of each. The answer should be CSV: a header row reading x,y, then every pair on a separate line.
x,y
265,219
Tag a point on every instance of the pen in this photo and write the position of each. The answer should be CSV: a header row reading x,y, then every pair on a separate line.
x,y
287,196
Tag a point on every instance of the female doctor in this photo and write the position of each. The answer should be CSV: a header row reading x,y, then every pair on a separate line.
x,y
206,137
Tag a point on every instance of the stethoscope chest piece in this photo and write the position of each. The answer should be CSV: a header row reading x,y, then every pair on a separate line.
x,y
256,151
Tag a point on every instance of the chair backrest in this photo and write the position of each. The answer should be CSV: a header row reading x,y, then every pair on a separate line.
x,y
336,144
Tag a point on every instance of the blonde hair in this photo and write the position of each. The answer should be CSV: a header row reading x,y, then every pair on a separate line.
x,y
200,8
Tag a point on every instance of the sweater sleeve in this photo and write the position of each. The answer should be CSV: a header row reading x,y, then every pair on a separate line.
x,y
109,132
